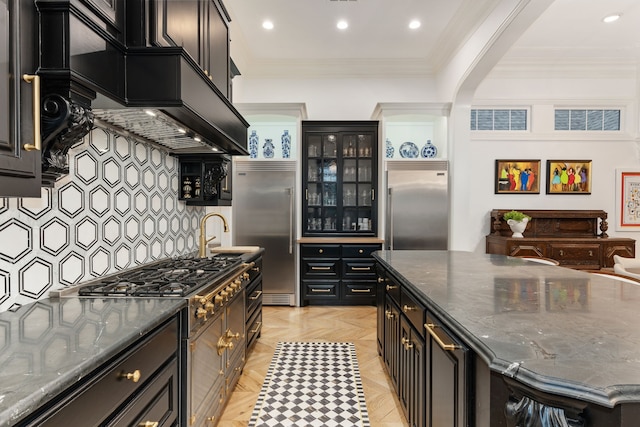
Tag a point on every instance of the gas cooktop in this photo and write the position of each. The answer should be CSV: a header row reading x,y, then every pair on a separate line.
x,y
167,278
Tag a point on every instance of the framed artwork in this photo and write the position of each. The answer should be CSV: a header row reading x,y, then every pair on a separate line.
x,y
569,176
517,177
627,199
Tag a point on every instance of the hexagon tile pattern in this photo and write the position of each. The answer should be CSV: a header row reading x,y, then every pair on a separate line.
x,y
117,208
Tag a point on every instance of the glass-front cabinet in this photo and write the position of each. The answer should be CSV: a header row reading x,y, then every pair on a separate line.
x,y
339,177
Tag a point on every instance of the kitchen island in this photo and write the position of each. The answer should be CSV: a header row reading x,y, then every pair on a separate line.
x,y
524,343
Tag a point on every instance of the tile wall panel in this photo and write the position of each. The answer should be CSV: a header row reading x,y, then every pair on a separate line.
x,y
116,209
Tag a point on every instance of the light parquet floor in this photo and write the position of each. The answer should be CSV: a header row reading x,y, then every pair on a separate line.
x,y
349,324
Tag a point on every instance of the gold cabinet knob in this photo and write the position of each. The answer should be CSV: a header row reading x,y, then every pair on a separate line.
x,y
407,308
320,251
133,376
360,251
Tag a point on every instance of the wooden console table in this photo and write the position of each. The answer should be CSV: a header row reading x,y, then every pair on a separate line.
x,y
575,238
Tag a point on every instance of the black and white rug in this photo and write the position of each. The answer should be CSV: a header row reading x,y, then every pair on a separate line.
x,y
312,384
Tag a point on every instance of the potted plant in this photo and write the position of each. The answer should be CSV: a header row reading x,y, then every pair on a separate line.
x,y
517,222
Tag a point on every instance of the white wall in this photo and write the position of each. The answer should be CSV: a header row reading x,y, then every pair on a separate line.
x,y
354,99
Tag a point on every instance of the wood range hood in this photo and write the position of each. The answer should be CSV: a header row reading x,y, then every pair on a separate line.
x,y
99,65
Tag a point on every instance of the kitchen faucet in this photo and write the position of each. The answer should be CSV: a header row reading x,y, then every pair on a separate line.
x,y
202,250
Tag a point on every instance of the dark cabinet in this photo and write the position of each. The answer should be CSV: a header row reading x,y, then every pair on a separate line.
x,y
447,384
139,386
339,172
20,165
254,303
428,366
338,274
205,180
201,28
575,238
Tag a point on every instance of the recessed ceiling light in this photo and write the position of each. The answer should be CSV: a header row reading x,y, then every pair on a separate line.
x,y
267,25
415,24
342,25
611,18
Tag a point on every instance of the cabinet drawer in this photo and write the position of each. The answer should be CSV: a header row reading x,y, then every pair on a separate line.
x,y
110,388
356,251
327,289
413,310
320,268
320,251
359,289
158,402
576,254
254,297
254,327
364,267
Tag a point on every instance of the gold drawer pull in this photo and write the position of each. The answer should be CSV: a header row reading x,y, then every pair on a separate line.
x,y
590,253
256,296
363,291
431,329
361,268
320,290
389,314
406,308
258,327
321,268
133,376
149,424
391,287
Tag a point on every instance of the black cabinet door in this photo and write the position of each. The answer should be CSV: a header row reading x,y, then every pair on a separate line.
x,y
339,172
392,341
446,375
20,169
216,48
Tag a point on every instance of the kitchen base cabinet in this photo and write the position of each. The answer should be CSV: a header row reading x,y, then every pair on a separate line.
x,y
139,386
254,303
338,274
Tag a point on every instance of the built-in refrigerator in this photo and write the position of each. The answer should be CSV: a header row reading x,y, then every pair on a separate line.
x,y
417,204
264,215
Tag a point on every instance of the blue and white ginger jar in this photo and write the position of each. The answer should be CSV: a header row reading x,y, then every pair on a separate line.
x,y
286,145
389,148
253,144
268,149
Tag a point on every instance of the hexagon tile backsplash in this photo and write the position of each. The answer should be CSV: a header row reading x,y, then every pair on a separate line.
x,y
117,208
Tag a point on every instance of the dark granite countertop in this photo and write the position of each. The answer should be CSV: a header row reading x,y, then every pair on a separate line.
x,y
47,346
555,329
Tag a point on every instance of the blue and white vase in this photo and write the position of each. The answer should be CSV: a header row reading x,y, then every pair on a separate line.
x,y
268,149
253,144
429,150
286,145
389,148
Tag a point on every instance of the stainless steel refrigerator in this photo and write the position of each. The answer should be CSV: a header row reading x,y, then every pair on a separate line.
x,y
417,205
264,215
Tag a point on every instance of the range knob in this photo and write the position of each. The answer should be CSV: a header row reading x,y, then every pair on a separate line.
x,y
201,313
229,290
224,294
210,307
245,275
238,282
218,298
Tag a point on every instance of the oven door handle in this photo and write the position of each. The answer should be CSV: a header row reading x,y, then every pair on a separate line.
x,y
290,192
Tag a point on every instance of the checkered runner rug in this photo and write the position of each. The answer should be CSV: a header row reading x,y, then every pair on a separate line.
x,y
312,384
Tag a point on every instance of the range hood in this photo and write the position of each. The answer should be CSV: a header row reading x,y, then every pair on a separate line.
x,y
97,68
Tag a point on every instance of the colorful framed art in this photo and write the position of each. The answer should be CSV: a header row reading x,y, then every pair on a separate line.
x,y
569,176
517,177
628,199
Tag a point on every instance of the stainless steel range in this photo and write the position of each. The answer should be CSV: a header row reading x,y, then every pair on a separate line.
x,y
213,343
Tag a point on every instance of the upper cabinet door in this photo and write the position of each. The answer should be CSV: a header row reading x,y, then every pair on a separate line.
x,y
199,27
20,170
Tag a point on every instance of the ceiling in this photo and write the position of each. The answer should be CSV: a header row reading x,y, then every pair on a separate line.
x,y
378,40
